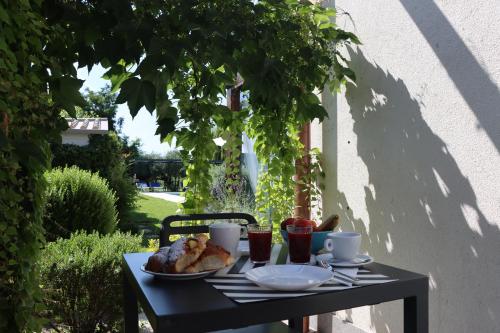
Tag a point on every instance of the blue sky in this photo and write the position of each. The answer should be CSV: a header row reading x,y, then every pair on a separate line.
x,y
143,126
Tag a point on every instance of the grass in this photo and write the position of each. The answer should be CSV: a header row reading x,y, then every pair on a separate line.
x,y
149,213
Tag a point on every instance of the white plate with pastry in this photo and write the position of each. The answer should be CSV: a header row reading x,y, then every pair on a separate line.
x,y
178,276
188,258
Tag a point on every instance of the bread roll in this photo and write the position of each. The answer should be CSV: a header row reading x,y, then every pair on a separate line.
x,y
214,257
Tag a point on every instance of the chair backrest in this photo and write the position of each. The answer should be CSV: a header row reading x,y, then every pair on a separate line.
x,y
167,229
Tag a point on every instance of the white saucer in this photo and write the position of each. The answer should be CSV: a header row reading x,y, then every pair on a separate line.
x,y
360,260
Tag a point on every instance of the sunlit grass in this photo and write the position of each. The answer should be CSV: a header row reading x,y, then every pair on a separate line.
x,y
149,213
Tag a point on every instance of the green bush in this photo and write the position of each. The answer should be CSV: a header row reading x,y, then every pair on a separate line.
x,y
78,200
126,194
81,279
103,154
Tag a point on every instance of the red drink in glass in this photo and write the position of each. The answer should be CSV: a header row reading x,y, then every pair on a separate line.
x,y
299,244
259,240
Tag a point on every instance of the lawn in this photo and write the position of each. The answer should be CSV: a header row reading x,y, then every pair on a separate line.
x,y
149,213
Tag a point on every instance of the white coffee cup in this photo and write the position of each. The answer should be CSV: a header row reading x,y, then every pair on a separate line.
x,y
226,235
343,245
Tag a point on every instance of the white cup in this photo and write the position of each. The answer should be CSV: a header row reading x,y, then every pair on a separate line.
x,y
226,235
343,245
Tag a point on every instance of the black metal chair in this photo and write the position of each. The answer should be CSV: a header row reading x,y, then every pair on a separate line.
x,y
167,230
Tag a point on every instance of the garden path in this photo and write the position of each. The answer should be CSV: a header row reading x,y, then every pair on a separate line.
x,y
169,196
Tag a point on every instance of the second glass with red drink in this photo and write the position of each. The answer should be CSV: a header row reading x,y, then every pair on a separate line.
x,y
259,240
299,243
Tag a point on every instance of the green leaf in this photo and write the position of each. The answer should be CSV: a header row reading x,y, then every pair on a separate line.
x,y
165,127
127,88
149,65
66,93
4,16
320,18
349,73
117,74
326,25
137,94
148,92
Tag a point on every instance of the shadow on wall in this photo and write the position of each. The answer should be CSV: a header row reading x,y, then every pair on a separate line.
x,y
476,87
423,213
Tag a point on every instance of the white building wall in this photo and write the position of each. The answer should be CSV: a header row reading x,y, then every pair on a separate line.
x,y
412,154
79,139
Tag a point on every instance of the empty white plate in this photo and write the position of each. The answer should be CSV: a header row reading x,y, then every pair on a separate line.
x,y
289,277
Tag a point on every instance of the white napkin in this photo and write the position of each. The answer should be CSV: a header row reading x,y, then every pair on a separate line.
x,y
339,275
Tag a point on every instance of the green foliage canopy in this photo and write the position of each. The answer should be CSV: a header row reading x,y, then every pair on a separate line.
x,y
178,57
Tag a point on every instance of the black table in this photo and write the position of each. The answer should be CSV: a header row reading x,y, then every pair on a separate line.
x,y
195,306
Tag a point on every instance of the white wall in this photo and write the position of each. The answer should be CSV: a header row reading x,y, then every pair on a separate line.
x,y
412,153
79,139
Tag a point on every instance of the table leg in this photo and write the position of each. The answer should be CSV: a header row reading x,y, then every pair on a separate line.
x,y
305,325
416,313
296,324
130,309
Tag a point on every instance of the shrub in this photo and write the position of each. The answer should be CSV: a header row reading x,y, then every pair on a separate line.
x,y
78,200
104,154
81,278
126,194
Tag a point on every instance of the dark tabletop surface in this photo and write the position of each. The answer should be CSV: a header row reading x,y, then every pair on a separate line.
x,y
180,304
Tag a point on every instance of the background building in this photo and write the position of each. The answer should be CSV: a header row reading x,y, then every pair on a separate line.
x,y
80,129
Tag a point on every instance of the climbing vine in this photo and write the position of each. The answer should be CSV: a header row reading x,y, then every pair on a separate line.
x,y
32,84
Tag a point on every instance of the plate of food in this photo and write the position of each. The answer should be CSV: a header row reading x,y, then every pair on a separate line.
x,y
187,258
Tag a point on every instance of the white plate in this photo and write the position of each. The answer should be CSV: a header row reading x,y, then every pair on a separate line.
x,y
360,260
289,277
179,276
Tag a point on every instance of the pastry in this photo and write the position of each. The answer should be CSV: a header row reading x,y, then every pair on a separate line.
x,y
156,262
214,257
184,252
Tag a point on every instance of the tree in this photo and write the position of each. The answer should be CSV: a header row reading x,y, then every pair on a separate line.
x,y
102,104
131,149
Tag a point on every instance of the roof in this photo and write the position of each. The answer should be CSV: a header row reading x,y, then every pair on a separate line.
x,y
87,125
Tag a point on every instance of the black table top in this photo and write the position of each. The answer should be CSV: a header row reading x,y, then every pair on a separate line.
x,y
185,305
